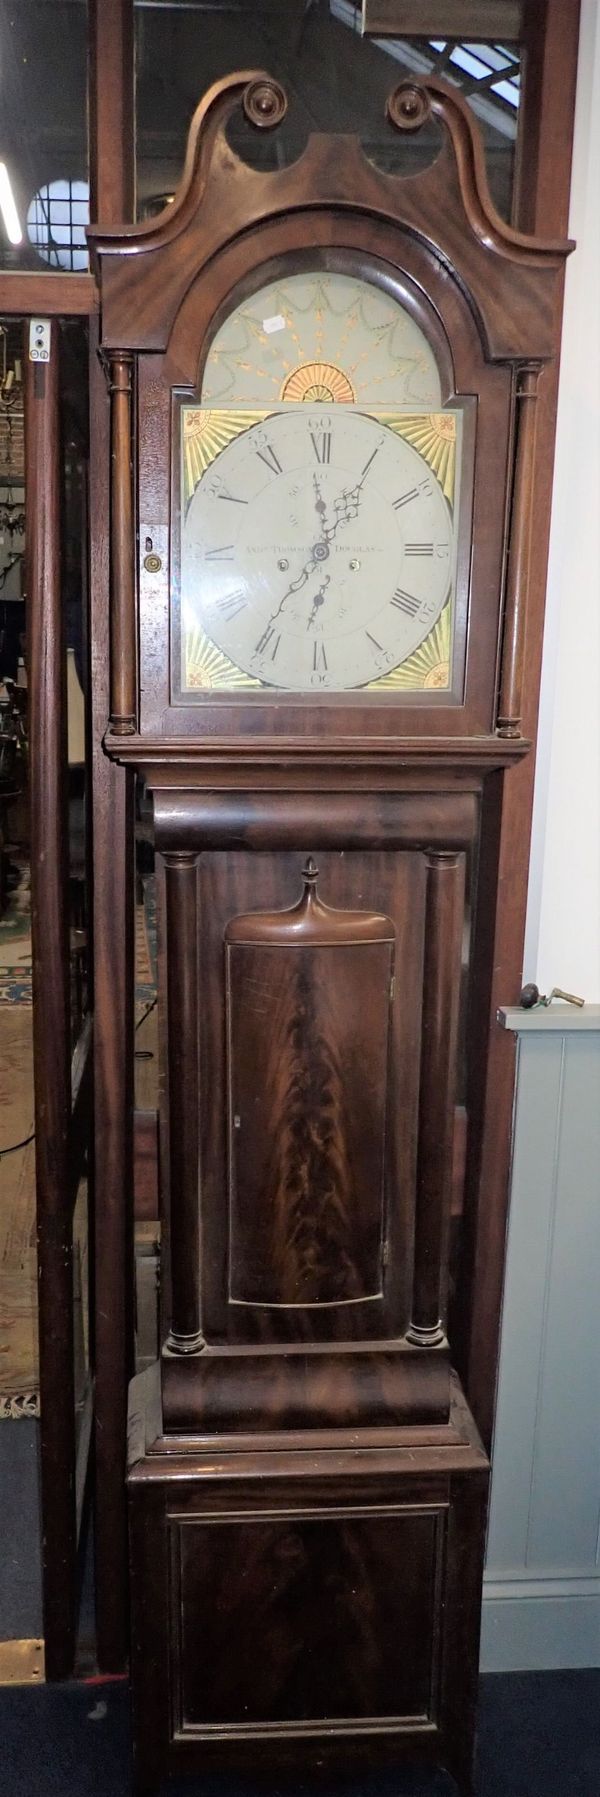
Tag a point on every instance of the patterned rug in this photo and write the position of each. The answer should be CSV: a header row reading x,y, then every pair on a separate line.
x,y
21,1404
15,940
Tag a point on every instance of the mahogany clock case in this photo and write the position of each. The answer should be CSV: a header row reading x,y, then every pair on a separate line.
x,y
305,1475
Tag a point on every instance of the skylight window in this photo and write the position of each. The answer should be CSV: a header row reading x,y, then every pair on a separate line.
x,y
56,223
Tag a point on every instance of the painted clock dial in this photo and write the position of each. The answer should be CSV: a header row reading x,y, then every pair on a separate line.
x,y
320,548
319,486
321,338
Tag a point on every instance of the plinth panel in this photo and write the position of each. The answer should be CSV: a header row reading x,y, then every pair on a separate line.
x,y
302,1620
302,1600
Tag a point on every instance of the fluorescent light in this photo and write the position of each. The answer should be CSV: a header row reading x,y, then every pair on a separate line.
x,y
8,208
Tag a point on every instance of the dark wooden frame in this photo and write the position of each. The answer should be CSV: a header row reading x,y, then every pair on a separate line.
x,y
168,757
444,18
65,1091
51,999
112,167
63,1082
552,40
551,33
541,204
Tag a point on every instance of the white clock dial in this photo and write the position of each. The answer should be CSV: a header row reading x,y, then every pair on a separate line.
x,y
317,550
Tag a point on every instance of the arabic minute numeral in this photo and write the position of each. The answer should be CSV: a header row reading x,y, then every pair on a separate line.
x,y
405,602
405,498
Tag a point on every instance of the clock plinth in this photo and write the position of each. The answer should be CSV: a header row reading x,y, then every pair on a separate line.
x,y
308,1598
333,508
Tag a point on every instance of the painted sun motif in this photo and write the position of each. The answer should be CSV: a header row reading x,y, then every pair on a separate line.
x,y
208,669
437,676
434,435
204,433
428,667
320,383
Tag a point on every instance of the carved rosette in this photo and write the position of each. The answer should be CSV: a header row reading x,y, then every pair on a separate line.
x,y
408,107
265,103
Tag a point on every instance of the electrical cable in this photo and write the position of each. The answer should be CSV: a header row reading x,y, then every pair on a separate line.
x,y
15,1145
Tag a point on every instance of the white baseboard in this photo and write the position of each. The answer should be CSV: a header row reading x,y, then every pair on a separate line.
x,y
540,1625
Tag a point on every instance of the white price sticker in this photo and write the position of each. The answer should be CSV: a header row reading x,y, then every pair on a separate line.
x,y
39,339
274,324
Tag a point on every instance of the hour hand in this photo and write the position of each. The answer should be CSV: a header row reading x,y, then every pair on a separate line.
x,y
294,587
318,600
320,504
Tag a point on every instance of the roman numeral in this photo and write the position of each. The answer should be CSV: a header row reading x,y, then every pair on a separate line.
x,y
368,464
405,498
224,554
268,456
405,602
319,658
373,640
322,446
269,636
235,500
418,548
232,603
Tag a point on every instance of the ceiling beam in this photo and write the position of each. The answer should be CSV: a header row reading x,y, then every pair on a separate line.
x,y
472,20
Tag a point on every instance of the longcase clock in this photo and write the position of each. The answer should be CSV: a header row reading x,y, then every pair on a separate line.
x,y
323,390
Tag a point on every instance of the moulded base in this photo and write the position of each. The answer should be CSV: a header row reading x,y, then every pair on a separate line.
x,y
304,1598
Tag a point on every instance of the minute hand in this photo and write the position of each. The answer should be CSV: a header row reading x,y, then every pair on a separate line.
x,y
301,579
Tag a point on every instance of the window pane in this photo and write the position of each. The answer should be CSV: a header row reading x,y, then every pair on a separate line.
x,y
43,135
335,79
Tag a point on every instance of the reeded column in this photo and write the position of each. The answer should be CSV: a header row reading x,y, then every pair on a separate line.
x,y
185,1335
521,527
441,996
123,632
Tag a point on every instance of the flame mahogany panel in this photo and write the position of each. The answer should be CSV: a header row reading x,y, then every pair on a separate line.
x,y
346,985
348,1584
308,1008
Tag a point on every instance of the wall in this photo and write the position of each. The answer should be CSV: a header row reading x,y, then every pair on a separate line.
x,y
563,925
542,1584
541,1605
